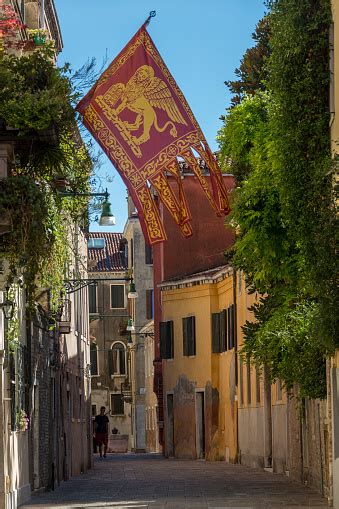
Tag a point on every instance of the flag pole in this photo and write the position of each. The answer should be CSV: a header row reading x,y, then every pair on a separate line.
x,y
152,14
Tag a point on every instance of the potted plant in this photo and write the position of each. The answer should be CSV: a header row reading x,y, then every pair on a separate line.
x,y
38,35
22,420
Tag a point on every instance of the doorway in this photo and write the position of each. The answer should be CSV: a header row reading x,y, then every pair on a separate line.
x,y
200,424
170,426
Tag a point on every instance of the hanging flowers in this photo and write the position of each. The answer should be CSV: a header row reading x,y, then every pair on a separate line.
x,y
22,420
10,26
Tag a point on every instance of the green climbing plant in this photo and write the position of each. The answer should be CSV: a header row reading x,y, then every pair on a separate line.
x,y
277,143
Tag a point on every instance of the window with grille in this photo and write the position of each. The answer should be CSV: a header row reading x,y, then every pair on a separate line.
x,y
94,359
117,404
149,304
166,340
117,296
189,346
92,299
117,359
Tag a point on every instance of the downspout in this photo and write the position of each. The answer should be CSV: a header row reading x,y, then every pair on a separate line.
x,y
267,419
2,430
235,321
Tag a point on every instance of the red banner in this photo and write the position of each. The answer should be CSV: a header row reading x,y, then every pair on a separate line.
x,y
140,118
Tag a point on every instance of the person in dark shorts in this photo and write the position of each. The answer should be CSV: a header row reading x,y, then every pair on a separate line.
x,y
101,431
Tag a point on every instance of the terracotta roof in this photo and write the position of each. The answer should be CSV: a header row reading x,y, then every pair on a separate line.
x,y
110,258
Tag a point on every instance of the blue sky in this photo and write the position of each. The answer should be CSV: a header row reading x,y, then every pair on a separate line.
x,y
201,43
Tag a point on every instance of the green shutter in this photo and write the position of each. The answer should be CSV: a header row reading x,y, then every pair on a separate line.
x,y
94,359
163,330
215,332
169,340
185,336
232,342
191,336
223,332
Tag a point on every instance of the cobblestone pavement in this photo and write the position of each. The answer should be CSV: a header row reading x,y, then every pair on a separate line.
x,y
153,482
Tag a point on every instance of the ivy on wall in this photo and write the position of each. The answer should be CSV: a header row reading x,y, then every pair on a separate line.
x,y
277,143
36,104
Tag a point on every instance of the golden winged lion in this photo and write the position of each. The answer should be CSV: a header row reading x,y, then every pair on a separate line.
x,y
142,93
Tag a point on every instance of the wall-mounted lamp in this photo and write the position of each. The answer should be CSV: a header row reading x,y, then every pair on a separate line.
x,y
7,306
107,218
130,325
132,294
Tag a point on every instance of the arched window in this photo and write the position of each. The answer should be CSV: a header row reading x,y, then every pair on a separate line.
x,y
117,359
94,359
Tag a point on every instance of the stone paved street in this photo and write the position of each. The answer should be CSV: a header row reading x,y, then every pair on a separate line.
x,y
148,481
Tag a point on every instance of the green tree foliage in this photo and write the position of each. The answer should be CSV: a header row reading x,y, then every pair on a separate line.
x,y
277,144
251,72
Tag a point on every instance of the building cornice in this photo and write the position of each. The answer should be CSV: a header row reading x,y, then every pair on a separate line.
x,y
215,275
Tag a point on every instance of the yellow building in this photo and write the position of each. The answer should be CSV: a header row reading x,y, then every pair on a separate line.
x,y
198,340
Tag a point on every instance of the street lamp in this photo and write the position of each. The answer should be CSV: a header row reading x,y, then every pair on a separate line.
x,y
7,307
107,218
132,294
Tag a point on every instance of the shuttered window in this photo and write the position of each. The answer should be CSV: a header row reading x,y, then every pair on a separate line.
x,y
148,254
166,340
223,330
94,359
231,327
117,296
215,333
189,346
149,304
92,299
117,404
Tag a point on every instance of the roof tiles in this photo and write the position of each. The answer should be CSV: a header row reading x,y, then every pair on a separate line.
x,y
111,258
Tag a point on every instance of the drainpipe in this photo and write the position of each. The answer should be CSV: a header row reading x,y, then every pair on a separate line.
x,y
235,321
267,419
2,431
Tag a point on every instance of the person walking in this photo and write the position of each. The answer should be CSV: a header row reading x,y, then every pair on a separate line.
x,y
101,431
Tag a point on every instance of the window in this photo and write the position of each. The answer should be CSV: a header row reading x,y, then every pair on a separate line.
x,y
94,410
241,381
249,385
96,243
94,359
279,389
219,332
166,340
188,325
257,374
216,333
117,404
117,296
148,254
231,327
223,331
117,360
132,253
92,299
149,304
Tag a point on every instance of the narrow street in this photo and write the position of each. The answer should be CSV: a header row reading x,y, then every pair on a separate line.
x,y
149,481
